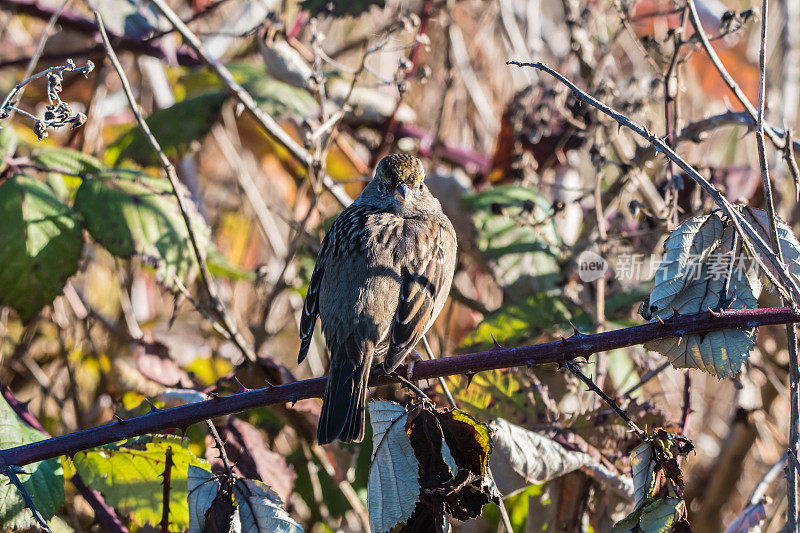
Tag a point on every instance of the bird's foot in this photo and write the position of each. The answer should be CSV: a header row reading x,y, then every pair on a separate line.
x,y
413,358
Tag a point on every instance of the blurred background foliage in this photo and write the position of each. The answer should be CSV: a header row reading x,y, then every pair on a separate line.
x,y
102,319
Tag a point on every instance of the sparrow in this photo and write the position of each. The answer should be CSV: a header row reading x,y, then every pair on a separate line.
x,y
382,276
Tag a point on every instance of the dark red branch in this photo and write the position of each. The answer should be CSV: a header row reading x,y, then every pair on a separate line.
x,y
578,345
103,513
74,22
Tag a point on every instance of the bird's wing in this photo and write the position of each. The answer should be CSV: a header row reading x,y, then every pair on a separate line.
x,y
420,287
311,305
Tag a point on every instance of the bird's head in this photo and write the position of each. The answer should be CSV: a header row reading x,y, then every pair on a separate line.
x,y
400,176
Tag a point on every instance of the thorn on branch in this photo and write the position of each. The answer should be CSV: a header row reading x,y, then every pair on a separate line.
x,y
611,403
11,472
469,376
242,388
497,345
151,407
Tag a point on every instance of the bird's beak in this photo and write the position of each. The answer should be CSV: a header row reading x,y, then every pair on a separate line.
x,y
401,192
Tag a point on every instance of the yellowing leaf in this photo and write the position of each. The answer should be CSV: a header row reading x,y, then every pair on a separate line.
x,y
129,475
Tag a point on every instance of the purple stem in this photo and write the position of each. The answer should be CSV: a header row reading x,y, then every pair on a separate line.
x,y
104,513
75,22
469,160
566,349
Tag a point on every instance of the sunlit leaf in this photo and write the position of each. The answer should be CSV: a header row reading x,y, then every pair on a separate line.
x,y
129,474
393,476
685,248
40,244
691,279
524,320
131,213
661,515
43,481
65,160
260,508
642,471
175,127
255,507
496,394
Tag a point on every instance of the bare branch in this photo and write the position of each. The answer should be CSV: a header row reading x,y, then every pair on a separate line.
x,y
169,169
560,351
267,122
784,281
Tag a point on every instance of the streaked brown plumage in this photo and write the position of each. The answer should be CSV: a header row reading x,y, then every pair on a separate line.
x,y
382,276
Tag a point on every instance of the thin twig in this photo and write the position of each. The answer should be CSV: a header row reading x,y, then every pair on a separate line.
x,y
761,488
791,162
11,472
267,122
212,429
787,285
772,133
791,334
611,403
51,23
218,307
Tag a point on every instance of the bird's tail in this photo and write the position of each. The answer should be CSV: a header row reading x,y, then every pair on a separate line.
x,y
346,395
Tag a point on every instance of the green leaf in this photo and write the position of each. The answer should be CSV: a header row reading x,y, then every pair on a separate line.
x,y
66,161
393,475
219,266
340,8
516,232
257,507
661,515
44,481
524,320
496,394
175,127
691,279
40,245
8,144
129,476
278,99
131,213
642,472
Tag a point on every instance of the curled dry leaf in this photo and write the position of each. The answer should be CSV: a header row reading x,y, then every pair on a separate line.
x,y
427,465
521,458
154,362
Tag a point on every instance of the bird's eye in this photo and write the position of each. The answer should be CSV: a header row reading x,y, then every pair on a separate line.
x,y
382,187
